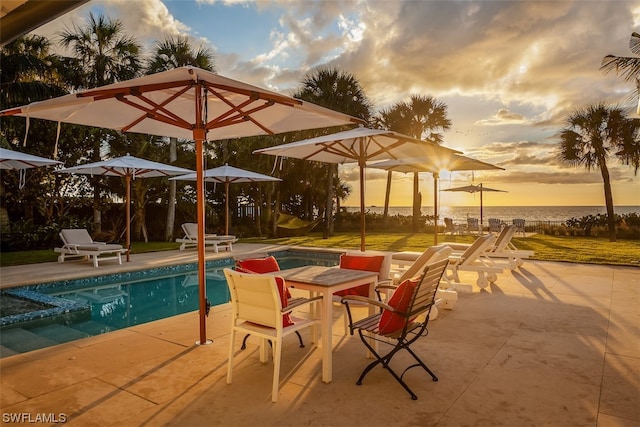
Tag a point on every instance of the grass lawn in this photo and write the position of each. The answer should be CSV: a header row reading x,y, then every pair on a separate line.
x,y
589,250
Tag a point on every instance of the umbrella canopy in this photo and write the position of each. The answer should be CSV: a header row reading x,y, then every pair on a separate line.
x,y
228,175
16,160
455,162
188,103
359,145
127,167
476,189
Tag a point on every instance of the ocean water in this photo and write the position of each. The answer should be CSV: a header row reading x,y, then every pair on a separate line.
x,y
505,213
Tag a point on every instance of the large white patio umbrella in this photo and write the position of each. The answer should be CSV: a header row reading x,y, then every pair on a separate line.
x,y
127,167
228,175
16,160
187,103
453,163
359,145
476,189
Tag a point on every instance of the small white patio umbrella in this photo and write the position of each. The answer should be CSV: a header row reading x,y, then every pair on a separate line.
x,y
128,167
455,162
16,160
476,189
228,175
359,145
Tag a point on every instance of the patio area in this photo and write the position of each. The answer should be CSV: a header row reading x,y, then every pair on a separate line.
x,y
548,344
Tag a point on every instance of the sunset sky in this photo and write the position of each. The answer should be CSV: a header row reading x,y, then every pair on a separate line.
x,y
510,72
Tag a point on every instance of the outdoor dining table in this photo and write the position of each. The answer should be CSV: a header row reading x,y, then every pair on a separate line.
x,y
325,281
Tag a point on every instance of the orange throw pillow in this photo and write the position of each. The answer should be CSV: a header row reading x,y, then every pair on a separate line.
x,y
360,262
390,321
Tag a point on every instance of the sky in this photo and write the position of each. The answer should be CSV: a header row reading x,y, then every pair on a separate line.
x,y
509,72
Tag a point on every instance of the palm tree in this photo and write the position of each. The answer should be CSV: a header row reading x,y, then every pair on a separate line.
x,y
422,117
627,67
340,91
175,52
594,134
29,72
103,54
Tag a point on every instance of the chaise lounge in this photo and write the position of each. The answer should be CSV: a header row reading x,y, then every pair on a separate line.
x,y
190,238
78,243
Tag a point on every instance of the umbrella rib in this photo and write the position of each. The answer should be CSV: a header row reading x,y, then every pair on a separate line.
x,y
253,94
241,115
154,113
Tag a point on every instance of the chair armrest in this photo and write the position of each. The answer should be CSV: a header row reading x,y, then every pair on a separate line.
x,y
345,300
299,302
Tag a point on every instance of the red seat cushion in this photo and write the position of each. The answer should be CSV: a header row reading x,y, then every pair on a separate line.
x,y
391,322
259,265
268,265
360,262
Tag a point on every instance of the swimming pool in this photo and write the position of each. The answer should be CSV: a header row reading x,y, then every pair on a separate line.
x,y
40,316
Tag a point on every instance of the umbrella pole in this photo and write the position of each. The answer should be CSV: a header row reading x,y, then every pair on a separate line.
x,y
362,164
435,207
226,202
199,135
481,232
127,180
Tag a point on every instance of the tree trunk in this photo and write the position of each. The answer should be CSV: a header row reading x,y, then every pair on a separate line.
x,y
608,198
417,201
258,212
387,196
171,205
97,212
139,204
328,226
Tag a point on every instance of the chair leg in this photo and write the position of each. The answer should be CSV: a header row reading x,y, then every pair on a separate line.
x,y
386,359
300,339
244,342
230,362
277,344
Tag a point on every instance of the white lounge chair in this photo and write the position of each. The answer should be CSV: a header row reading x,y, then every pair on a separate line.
x,y
190,238
474,259
502,248
78,243
446,297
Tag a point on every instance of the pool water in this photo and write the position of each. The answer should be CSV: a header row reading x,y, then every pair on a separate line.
x,y
85,307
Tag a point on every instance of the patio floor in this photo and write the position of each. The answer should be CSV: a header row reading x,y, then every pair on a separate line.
x,y
549,344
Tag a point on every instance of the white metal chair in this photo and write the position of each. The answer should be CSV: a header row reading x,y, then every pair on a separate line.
x,y
257,310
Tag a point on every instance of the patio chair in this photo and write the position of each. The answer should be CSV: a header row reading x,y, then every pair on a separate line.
x,y
473,226
474,259
380,264
502,248
257,309
267,264
401,322
519,223
451,227
78,243
495,225
190,238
